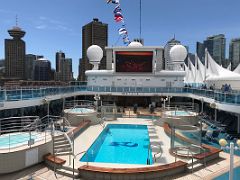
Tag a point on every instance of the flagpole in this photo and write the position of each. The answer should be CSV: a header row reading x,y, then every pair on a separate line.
x,y
140,20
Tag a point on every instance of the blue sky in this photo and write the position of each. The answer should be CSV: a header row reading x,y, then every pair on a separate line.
x,y
53,25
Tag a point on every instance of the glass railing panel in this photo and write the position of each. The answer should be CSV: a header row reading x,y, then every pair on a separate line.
x,y
139,89
89,88
126,89
238,99
95,88
27,94
13,95
2,95
230,98
36,93
101,89
119,89
152,90
108,89
113,89
132,89
145,90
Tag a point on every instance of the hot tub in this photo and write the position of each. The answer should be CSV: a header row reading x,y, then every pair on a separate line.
x,y
78,114
180,117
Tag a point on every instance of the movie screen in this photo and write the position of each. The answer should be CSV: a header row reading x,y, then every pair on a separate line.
x,y
134,62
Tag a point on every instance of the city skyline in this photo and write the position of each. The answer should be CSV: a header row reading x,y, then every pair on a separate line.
x,y
49,32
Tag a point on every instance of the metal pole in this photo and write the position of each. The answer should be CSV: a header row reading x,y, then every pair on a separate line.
x,y
215,116
231,160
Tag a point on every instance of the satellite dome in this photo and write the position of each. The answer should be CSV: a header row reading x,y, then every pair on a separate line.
x,y
135,44
178,53
94,53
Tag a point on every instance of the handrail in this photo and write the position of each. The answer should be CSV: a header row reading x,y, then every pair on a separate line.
x,y
148,160
155,154
183,148
74,157
204,151
218,95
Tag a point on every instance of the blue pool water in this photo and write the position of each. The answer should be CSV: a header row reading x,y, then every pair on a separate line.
x,y
179,113
236,175
15,139
82,110
120,143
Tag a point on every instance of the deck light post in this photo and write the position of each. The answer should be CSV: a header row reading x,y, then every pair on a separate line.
x,y
224,146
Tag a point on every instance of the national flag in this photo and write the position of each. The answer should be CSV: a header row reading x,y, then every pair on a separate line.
x,y
118,14
122,31
117,9
126,40
118,18
115,1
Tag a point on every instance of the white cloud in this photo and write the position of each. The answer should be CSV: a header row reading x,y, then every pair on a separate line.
x,y
51,24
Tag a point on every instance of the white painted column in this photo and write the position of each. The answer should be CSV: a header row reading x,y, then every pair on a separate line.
x,y
231,160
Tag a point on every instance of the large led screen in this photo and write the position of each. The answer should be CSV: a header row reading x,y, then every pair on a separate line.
x,y
134,61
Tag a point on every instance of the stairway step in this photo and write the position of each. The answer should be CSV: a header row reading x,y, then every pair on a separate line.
x,y
66,145
63,142
56,138
62,150
69,168
63,154
67,173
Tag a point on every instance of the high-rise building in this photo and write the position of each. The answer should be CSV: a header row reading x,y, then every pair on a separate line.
x,y
15,52
60,56
93,33
200,50
63,67
29,65
234,52
2,68
42,70
167,48
216,46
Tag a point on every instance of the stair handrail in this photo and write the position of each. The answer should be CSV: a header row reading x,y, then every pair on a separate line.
x,y
204,151
155,154
184,148
74,157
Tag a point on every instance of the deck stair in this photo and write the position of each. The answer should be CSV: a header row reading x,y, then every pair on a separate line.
x,y
62,145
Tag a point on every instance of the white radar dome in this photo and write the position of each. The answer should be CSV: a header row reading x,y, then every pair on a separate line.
x,y
95,53
178,53
135,44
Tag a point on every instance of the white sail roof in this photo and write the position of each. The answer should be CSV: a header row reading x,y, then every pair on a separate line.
x,y
229,66
189,78
199,71
237,69
216,72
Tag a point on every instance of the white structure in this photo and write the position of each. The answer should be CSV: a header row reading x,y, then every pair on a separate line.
x,y
178,54
167,48
211,74
137,66
95,54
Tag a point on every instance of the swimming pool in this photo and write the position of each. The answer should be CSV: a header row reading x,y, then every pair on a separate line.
x,y
16,139
82,110
120,143
179,113
236,174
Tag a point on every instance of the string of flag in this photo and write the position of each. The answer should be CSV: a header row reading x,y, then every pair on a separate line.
x,y
118,18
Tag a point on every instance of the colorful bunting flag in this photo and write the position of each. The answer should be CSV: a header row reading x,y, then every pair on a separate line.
x,y
122,31
118,17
